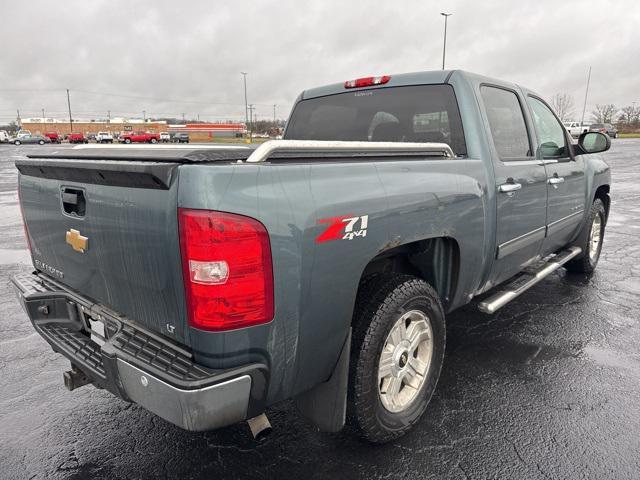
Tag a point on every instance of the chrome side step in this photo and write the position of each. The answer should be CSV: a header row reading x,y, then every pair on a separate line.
x,y
526,280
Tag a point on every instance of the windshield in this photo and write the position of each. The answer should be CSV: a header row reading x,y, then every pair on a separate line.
x,y
423,113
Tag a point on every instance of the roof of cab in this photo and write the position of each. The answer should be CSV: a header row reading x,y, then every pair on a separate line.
x,y
414,78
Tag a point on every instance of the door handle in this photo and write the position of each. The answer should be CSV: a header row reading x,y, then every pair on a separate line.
x,y
509,187
556,180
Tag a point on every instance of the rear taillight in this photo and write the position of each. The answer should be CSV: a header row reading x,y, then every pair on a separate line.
x,y
226,263
367,81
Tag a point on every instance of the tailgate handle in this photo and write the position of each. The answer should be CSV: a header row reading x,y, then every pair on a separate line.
x,y
68,197
73,202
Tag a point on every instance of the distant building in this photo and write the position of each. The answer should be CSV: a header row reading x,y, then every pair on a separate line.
x,y
115,125
197,131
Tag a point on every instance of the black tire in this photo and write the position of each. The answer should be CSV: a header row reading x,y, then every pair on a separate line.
x,y
127,140
17,142
153,140
381,302
40,142
585,263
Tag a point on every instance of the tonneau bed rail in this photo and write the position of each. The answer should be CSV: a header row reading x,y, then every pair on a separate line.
x,y
264,151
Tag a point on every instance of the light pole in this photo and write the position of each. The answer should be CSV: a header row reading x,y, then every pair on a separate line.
x,y
251,109
444,46
70,117
246,106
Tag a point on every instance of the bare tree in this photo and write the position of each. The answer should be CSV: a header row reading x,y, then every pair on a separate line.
x,y
562,103
629,114
604,113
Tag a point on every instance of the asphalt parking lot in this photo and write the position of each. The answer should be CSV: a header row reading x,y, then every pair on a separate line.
x,y
547,388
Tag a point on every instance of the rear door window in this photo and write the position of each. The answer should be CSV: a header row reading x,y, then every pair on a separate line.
x,y
506,121
422,113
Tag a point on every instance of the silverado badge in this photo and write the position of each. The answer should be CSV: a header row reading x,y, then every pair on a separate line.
x,y
77,241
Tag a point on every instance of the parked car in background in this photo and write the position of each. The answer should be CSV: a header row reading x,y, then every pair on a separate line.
x,y
575,129
77,138
4,136
53,136
104,137
165,137
140,137
604,128
39,139
23,133
91,136
180,138
209,286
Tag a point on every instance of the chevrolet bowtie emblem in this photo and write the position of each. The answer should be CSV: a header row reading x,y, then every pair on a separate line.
x,y
77,241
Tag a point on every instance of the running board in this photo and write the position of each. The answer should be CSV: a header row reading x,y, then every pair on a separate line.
x,y
526,280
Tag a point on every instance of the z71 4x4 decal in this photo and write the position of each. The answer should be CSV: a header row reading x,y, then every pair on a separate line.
x,y
346,227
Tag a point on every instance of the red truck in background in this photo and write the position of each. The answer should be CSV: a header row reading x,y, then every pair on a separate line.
x,y
77,138
53,136
140,137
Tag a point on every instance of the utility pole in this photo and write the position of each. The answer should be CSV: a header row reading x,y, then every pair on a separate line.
x,y
274,115
144,116
43,116
183,118
70,117
444,46
19,119
246,107
586,92
108,116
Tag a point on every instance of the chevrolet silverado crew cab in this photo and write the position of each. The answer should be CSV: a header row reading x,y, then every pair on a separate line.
x,y
207,283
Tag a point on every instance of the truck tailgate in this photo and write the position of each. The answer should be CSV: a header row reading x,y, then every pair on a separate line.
x,y
109,231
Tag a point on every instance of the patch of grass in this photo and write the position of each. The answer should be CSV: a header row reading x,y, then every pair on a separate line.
x,y
629,135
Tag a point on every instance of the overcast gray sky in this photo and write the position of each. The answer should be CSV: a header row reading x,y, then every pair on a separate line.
x,y
193,51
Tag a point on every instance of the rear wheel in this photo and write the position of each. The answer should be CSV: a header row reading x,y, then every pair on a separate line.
x,y
41,142
127,140
397,353
590,240
153,140
17,142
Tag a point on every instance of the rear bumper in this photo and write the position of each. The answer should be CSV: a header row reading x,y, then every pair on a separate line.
x,y
138,365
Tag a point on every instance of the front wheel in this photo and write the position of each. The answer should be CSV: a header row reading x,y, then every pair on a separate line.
x,y
396,355
127,140
153,140
17,142
590,240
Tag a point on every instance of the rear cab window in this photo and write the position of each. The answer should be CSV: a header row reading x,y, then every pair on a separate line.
x,y
421,113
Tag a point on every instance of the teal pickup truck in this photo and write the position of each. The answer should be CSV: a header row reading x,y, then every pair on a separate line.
x,y
207,283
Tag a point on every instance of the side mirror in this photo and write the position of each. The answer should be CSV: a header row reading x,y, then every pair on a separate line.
x,y
592,142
